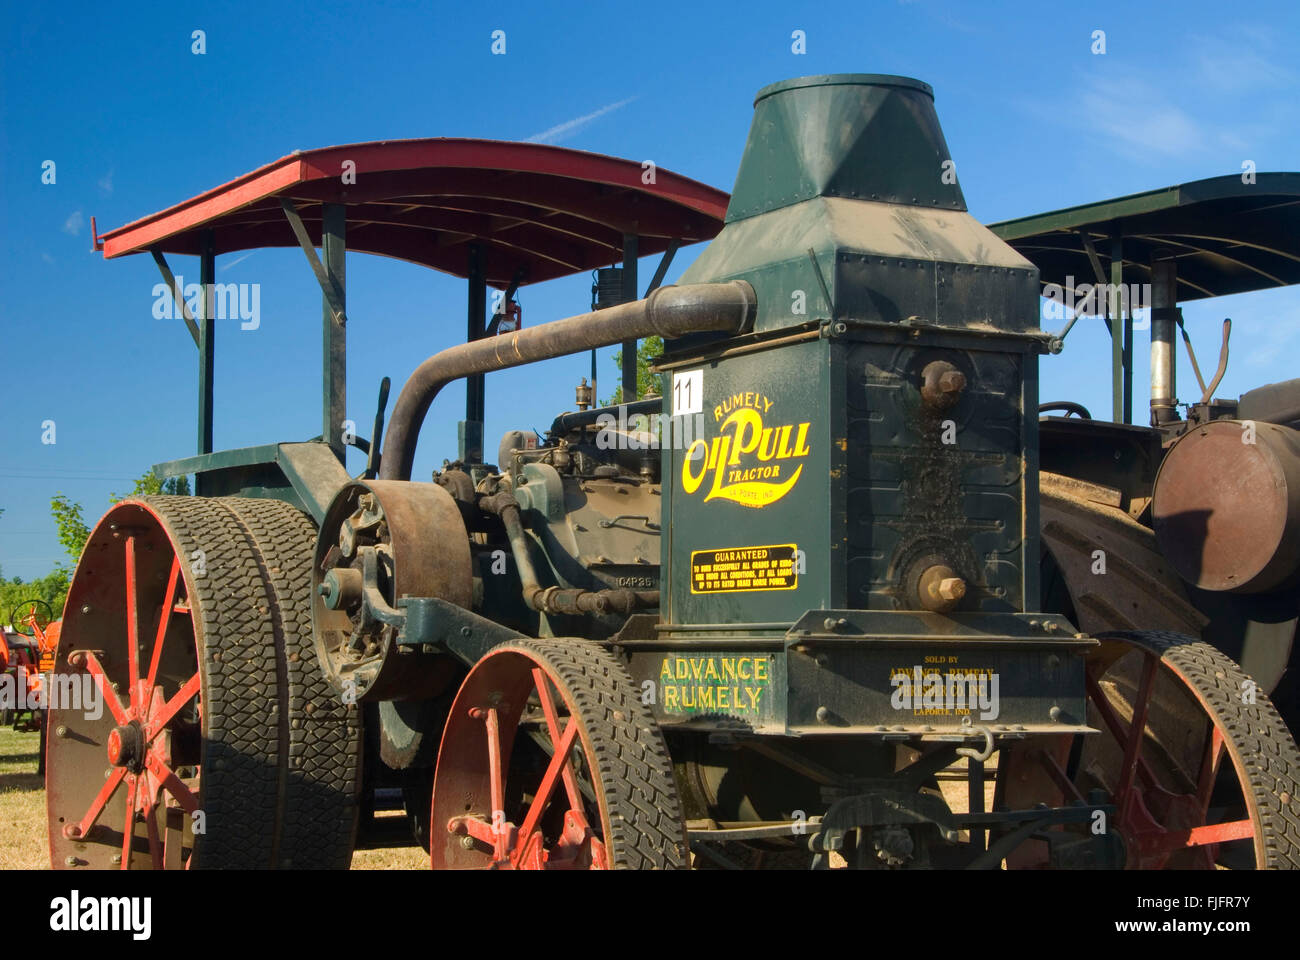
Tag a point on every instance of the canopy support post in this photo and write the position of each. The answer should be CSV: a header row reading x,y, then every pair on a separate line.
x,y
334,366
207,340
470,439
177,294
661,270
629,295
1121,335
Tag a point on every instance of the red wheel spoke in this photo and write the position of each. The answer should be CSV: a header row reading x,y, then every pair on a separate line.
x,y
132,620
1136,731
164,619
553,729
497,787
97,805
1115,725
558,761
478,828
1057,775
128,831
1174,840
164,716
105,690
172,783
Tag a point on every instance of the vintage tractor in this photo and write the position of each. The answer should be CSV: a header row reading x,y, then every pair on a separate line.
x,y
26,659
779,627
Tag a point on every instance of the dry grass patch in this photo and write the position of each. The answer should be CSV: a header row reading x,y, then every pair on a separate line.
x,y
22,803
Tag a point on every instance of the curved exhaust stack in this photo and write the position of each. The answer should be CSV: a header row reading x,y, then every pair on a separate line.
x,y
668,312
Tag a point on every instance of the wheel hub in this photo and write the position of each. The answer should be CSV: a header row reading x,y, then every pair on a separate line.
x,y
126,746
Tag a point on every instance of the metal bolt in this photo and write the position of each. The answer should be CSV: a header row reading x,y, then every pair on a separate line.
x,y
823,715
467,842
952,588
117,858
85,608
829,623
1054,713
73,861
953,382
940,589
60,731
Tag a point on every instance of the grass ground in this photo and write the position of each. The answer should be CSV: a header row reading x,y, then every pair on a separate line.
x,y
22,815
22,803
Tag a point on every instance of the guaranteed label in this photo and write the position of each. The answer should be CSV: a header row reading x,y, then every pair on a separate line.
x,y
744,569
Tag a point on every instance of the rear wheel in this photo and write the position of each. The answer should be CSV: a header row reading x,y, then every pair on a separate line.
x,y
322,773
549,760
183,630
1212,780
1201,770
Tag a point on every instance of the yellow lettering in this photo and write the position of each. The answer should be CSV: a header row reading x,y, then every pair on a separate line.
x,y
801,448
692,483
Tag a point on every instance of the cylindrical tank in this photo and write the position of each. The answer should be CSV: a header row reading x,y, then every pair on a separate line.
x,y
1226,508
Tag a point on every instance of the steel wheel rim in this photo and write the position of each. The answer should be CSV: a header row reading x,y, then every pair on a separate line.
x,y
150,732
491,809
1159,819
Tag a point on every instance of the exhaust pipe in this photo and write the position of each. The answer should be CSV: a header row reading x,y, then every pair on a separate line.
x,y
669,312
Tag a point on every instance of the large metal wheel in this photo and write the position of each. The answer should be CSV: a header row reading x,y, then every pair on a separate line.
x,y
186,614
549,760
1199,766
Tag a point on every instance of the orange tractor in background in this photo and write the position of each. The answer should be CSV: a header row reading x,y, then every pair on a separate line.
x,y
27,654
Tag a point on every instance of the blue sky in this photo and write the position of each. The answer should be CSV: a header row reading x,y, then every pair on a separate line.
x,y
136,122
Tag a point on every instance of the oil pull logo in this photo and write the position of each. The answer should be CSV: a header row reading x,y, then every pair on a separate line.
x,y
749,462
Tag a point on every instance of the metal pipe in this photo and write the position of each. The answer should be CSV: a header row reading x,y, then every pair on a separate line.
x,y
1164,303
669,312
572,601
566,422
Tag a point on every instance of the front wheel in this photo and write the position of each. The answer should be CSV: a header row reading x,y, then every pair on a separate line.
x,y
548,761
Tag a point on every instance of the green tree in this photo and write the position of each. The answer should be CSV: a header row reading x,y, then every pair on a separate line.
x,y
52,588
150,483
646,382
73,532
71,521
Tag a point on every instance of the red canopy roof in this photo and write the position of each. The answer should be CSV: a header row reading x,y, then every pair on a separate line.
x,y
550,210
